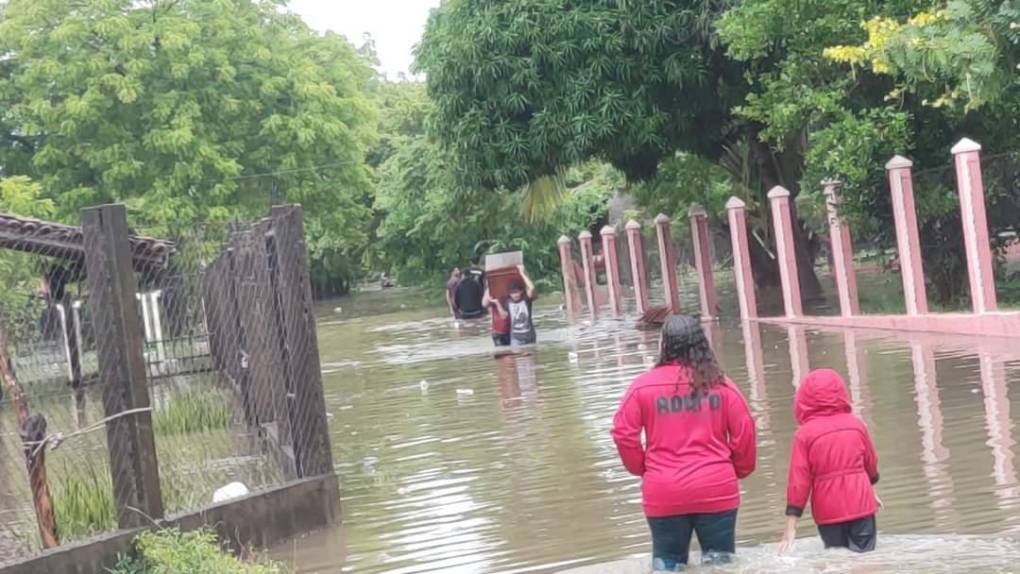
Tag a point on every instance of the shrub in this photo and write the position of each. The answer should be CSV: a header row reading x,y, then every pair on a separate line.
x,y
171,551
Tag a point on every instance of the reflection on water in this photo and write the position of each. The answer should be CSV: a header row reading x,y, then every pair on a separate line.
x,y
453,458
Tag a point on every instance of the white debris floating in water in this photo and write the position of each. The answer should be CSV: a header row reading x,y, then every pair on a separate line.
x,y
232,490
465,392
424,385
572,357
338,310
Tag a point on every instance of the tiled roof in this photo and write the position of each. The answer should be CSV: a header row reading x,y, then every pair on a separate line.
x,y
65,241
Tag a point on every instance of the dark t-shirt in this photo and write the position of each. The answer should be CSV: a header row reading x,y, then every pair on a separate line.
x,y
468,295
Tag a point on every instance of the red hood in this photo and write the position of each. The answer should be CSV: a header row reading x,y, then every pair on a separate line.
x,y
823,393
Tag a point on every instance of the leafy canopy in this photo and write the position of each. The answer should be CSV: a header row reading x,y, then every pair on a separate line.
x,y
188,111
524,89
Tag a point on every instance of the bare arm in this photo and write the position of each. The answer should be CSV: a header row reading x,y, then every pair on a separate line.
x,y
528,285
789,535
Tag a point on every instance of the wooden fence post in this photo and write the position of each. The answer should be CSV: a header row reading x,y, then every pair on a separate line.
x,y
307,404
122,373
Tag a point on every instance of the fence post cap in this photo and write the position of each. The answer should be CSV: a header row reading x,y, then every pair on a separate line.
x,y
697,210
633,224
608,230
778,191
965,145
898,162
584,234
662,218
563,240
735,203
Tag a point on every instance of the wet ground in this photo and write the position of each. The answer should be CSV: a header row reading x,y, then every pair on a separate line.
x,y
455,460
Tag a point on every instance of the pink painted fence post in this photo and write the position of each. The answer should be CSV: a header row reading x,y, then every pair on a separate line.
x,y
612,267
967,156
637,265
667,260
908,242
742,259
588,263
567,269
842,253
783,226
703,261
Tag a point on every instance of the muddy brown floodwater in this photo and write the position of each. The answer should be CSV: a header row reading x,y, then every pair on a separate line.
x,y
453,460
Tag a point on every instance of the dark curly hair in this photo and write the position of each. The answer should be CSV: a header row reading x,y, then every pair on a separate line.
x,y
683,342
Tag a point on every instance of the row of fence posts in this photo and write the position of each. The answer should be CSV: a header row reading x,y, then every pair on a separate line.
x,y
977,243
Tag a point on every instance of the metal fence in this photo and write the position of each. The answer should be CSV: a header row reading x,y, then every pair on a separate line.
x,y
144,375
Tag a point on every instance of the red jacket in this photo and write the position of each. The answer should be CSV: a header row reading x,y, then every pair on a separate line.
x,y
695,447
833,461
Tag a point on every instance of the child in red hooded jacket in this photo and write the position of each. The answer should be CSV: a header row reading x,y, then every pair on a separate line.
x,y
833,462
699,441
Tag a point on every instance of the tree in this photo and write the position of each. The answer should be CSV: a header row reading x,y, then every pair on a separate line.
x,y
523,90
20,273
189,111
846,122
429,222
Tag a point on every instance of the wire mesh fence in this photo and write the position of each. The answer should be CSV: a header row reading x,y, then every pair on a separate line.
x,y
144,374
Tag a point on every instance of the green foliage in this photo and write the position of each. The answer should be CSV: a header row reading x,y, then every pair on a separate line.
x,y
430,222
189,111
965,54
525,89
171,551
83,501
191,411
19,273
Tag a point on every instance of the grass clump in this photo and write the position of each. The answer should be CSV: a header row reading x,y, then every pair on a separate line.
x,y
83,502
192,411
171,551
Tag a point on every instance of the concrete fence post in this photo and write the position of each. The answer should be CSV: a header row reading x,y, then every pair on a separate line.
x,y
736,211
612,267
122,372
588,264
703,261
967,157
782,223
908,242
842,253
567,270
635,243
667,261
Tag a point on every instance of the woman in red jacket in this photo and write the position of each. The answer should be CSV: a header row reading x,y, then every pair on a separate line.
x,y
833,463
699,440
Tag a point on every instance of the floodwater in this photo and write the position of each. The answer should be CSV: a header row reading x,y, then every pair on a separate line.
x,y
452,459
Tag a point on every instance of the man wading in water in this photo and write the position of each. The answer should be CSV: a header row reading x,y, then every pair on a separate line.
x,y
699,440
518,305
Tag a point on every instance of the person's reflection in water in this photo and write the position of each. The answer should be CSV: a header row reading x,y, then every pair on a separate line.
x,y
509,385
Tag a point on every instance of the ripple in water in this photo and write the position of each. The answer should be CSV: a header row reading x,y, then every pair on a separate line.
x,y
521,475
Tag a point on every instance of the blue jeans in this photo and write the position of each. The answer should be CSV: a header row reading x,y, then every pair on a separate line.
x,y
671,539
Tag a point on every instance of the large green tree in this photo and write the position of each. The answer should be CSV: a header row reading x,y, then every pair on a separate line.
x,y
189,111
909,97
429,221
525,89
